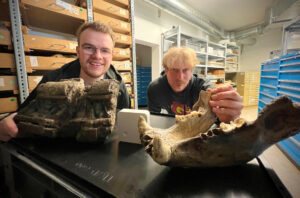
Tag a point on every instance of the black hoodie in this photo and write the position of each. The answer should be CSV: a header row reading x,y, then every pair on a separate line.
x,y
162,98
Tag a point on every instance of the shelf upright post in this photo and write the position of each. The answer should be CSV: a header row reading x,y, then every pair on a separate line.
x,y
178,36
17,38
133,54
162,47
206,58
89,5
239,59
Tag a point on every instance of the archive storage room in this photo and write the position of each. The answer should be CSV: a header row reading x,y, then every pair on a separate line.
x,y
148,98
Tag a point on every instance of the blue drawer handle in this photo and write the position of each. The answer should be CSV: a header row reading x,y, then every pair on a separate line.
x,y
290,64
287,94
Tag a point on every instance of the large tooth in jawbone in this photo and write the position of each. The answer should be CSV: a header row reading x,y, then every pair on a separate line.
x,y
191,142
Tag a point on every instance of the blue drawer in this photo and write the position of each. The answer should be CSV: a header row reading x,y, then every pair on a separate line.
x,y
268,80
291,84
142,102
272,90
285,82
273,64
289,75
291,147
266,98
261,105
269,72
290,66
289,56
294,98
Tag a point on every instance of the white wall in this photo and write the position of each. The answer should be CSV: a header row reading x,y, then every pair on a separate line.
x,y
150,23
253,55
143,55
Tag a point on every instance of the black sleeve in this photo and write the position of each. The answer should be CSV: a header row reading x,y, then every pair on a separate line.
x,y
123,97
153,102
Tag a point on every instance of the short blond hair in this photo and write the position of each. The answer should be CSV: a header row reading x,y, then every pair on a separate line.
x,y
180,55
98,27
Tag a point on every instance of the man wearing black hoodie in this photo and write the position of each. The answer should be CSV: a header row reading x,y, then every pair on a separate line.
x,y
177,90
94,52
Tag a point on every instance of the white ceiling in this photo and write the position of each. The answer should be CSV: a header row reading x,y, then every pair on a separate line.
x,y
231,15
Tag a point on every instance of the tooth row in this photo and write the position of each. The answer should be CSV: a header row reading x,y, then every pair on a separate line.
x,y
190,115
237,123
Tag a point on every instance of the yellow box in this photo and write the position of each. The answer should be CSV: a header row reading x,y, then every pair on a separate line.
x,y
122,65
7,60
8,83
115,24
33,81
48,44
46,63
126,77
104,7
121,54
5,38
8,104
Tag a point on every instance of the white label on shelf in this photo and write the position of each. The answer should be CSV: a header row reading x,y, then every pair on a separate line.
x,y
33,61
33,39
2,82
75,10
64,5
73,45
127,65
123,38
122,52
124,25
123,12
37,79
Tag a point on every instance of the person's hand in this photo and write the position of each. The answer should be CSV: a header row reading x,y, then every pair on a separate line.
x,y
226,103
8,128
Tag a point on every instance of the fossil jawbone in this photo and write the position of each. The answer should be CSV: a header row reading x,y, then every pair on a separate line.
x,y
192,143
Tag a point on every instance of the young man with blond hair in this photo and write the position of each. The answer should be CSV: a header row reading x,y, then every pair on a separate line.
x,y
177,90
94,52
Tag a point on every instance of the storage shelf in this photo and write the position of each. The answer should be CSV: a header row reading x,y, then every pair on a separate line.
x,y
216,56
229,55
52,15
52,26
216,67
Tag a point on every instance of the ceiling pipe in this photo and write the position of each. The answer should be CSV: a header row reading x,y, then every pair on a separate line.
x,y
187,13
192,16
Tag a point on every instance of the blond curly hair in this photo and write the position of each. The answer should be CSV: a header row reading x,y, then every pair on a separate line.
x,y
180,55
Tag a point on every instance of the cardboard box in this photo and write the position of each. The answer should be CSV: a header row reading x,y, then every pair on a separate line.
x,y
122,65
126,77
8,104
8,83
33,81
7,60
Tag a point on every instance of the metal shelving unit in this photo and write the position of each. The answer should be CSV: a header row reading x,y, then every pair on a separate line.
x,y
17,37
211,56
292,27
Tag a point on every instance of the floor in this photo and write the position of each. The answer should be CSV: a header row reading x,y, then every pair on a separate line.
x,y
288,173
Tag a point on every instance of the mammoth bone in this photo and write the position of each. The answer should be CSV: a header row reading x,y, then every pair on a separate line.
x,y
195,141
68,109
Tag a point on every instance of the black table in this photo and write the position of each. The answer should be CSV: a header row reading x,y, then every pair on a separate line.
x,y
118,169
